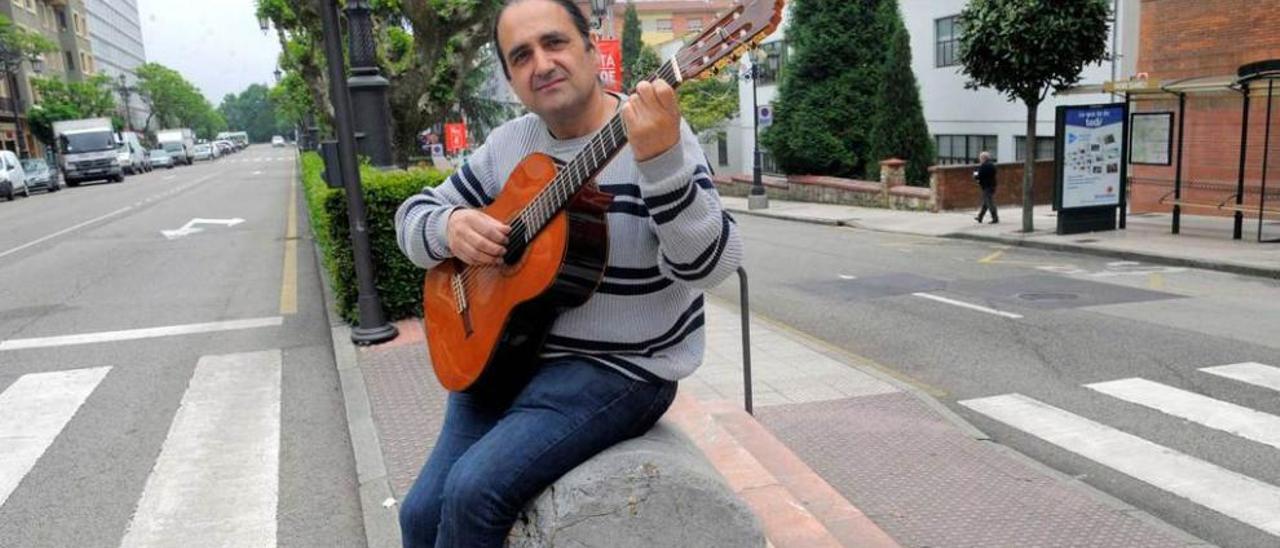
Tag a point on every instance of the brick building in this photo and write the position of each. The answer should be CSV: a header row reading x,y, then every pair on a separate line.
x,y
662,21
1198,46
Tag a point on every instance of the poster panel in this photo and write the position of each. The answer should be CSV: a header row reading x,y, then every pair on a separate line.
x,y
1092,156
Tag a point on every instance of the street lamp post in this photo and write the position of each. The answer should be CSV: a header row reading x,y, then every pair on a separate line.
x,y
602,10
758,199
373,327
125,93
368,88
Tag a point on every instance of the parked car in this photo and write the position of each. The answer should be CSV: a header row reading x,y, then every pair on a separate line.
x,y
203,151
225,147
131,154
13,180
41,175
161,158
277,141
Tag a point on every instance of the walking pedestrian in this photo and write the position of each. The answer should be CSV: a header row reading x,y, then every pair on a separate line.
x,y
986,177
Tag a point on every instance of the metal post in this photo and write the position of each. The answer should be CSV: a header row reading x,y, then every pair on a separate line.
x,y
1266,149
759,199
373,326
1238,230
746,338
1124,179
368,88
17,113
1177,175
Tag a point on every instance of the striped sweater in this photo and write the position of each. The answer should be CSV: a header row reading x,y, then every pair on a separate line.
x,y
669,239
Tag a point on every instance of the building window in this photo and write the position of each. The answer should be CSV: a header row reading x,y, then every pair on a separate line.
x,y
664,25
86,63
695,24
722,148
62,19
964,149
1044,148
71,60
771,70
75,18
947,41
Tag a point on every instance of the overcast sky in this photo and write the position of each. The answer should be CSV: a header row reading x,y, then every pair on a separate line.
x,y
215,44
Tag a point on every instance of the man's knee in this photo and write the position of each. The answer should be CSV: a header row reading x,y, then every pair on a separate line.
x,y
419,519
472,493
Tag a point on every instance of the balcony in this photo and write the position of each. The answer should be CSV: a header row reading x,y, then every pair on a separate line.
x,y
58,3
7,107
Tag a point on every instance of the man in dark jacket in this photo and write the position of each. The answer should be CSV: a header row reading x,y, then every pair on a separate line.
x,y
986,176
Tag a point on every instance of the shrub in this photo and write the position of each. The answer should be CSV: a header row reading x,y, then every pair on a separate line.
x,y
399,281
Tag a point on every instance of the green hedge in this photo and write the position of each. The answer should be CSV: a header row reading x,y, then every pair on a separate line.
x,y
399,281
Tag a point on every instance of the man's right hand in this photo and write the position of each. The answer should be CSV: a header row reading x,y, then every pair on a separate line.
x,y
476,238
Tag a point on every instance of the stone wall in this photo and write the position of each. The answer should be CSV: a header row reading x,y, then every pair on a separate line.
x,y
890,192
955,188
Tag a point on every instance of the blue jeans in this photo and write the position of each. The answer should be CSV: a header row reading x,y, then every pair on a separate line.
x,y
491,458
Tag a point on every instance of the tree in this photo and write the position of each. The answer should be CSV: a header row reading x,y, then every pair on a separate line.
x,y
631,46
18,45
252,112
1024,49
898,129
646,64
825,108
60,101
175,102
707,102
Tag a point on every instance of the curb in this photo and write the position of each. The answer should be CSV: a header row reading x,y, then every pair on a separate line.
x,y
785,217
1231,268
381,524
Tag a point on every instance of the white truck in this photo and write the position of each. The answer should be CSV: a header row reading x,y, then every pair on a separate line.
x,y
179,143
87,150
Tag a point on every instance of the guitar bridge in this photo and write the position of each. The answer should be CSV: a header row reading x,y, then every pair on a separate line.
x,y
460,302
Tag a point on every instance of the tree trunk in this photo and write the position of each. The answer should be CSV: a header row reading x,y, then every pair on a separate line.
x,y
1029,168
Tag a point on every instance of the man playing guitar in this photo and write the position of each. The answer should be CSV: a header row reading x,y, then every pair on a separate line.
x,y
608,369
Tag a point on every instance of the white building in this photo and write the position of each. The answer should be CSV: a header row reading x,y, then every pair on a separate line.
x,y
962,122
115,31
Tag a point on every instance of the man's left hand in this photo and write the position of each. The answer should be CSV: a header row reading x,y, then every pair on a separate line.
x,y
653,119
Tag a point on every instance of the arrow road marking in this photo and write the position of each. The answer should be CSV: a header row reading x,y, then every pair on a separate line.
x,y
190,227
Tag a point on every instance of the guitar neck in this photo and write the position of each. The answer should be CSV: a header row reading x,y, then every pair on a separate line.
x,y
594,156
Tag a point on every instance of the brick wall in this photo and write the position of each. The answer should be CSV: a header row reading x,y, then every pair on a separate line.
x,y
1190,38
955,188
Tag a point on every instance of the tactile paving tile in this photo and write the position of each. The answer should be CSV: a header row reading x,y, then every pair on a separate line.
x,y
408,408
927,484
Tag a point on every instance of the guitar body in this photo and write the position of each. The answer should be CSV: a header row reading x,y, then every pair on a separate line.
x,y
492,344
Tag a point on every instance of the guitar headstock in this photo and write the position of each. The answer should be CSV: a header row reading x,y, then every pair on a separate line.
x,y
746,24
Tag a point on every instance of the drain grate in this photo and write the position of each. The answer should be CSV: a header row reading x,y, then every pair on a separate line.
x,y
1040,297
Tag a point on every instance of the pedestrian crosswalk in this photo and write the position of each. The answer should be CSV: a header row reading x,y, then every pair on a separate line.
x,y
1248,500
215,481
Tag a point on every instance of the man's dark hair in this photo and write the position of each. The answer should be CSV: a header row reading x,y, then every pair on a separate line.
x,y
579,22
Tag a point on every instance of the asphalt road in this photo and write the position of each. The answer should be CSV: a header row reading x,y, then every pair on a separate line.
x,y
982,324
138,368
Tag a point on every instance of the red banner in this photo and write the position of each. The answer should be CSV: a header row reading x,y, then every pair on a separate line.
x,y
455,137
610,63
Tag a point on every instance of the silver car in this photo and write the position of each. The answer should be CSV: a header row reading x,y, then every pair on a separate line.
x,y
161,158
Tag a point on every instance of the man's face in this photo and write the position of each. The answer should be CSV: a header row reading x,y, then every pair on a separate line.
x,y
553,71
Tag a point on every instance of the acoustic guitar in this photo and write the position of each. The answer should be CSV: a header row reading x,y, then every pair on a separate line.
x,y
486,323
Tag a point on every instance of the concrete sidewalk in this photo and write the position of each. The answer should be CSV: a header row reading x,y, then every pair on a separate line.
x,y
1204,242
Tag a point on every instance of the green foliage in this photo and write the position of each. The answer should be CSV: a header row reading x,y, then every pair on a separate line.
x,y
1024,48
253,112
899,129
18,44
399,281
706,103
647,64
61,100
175,102
826,101
631,46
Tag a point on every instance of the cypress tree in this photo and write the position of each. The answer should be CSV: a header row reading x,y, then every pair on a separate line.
x,y
631,46
899,130
826,102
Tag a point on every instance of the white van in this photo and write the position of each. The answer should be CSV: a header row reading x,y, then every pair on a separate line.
x,y
13,180
131,153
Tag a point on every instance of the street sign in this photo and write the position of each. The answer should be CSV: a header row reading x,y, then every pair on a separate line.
x,y
764,113
455,137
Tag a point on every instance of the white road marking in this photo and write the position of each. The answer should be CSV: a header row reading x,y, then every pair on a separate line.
x,y
216,482
1249,372
146,333
66,230
970,306
848,277
1235,495
190,227
256,173
1219,415
33,411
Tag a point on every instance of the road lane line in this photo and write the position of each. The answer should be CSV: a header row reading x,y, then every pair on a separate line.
x,y
1249,372
970,306
1235,495
33,411
65,230
146,333
992,257
216,481
289,276
1219,415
